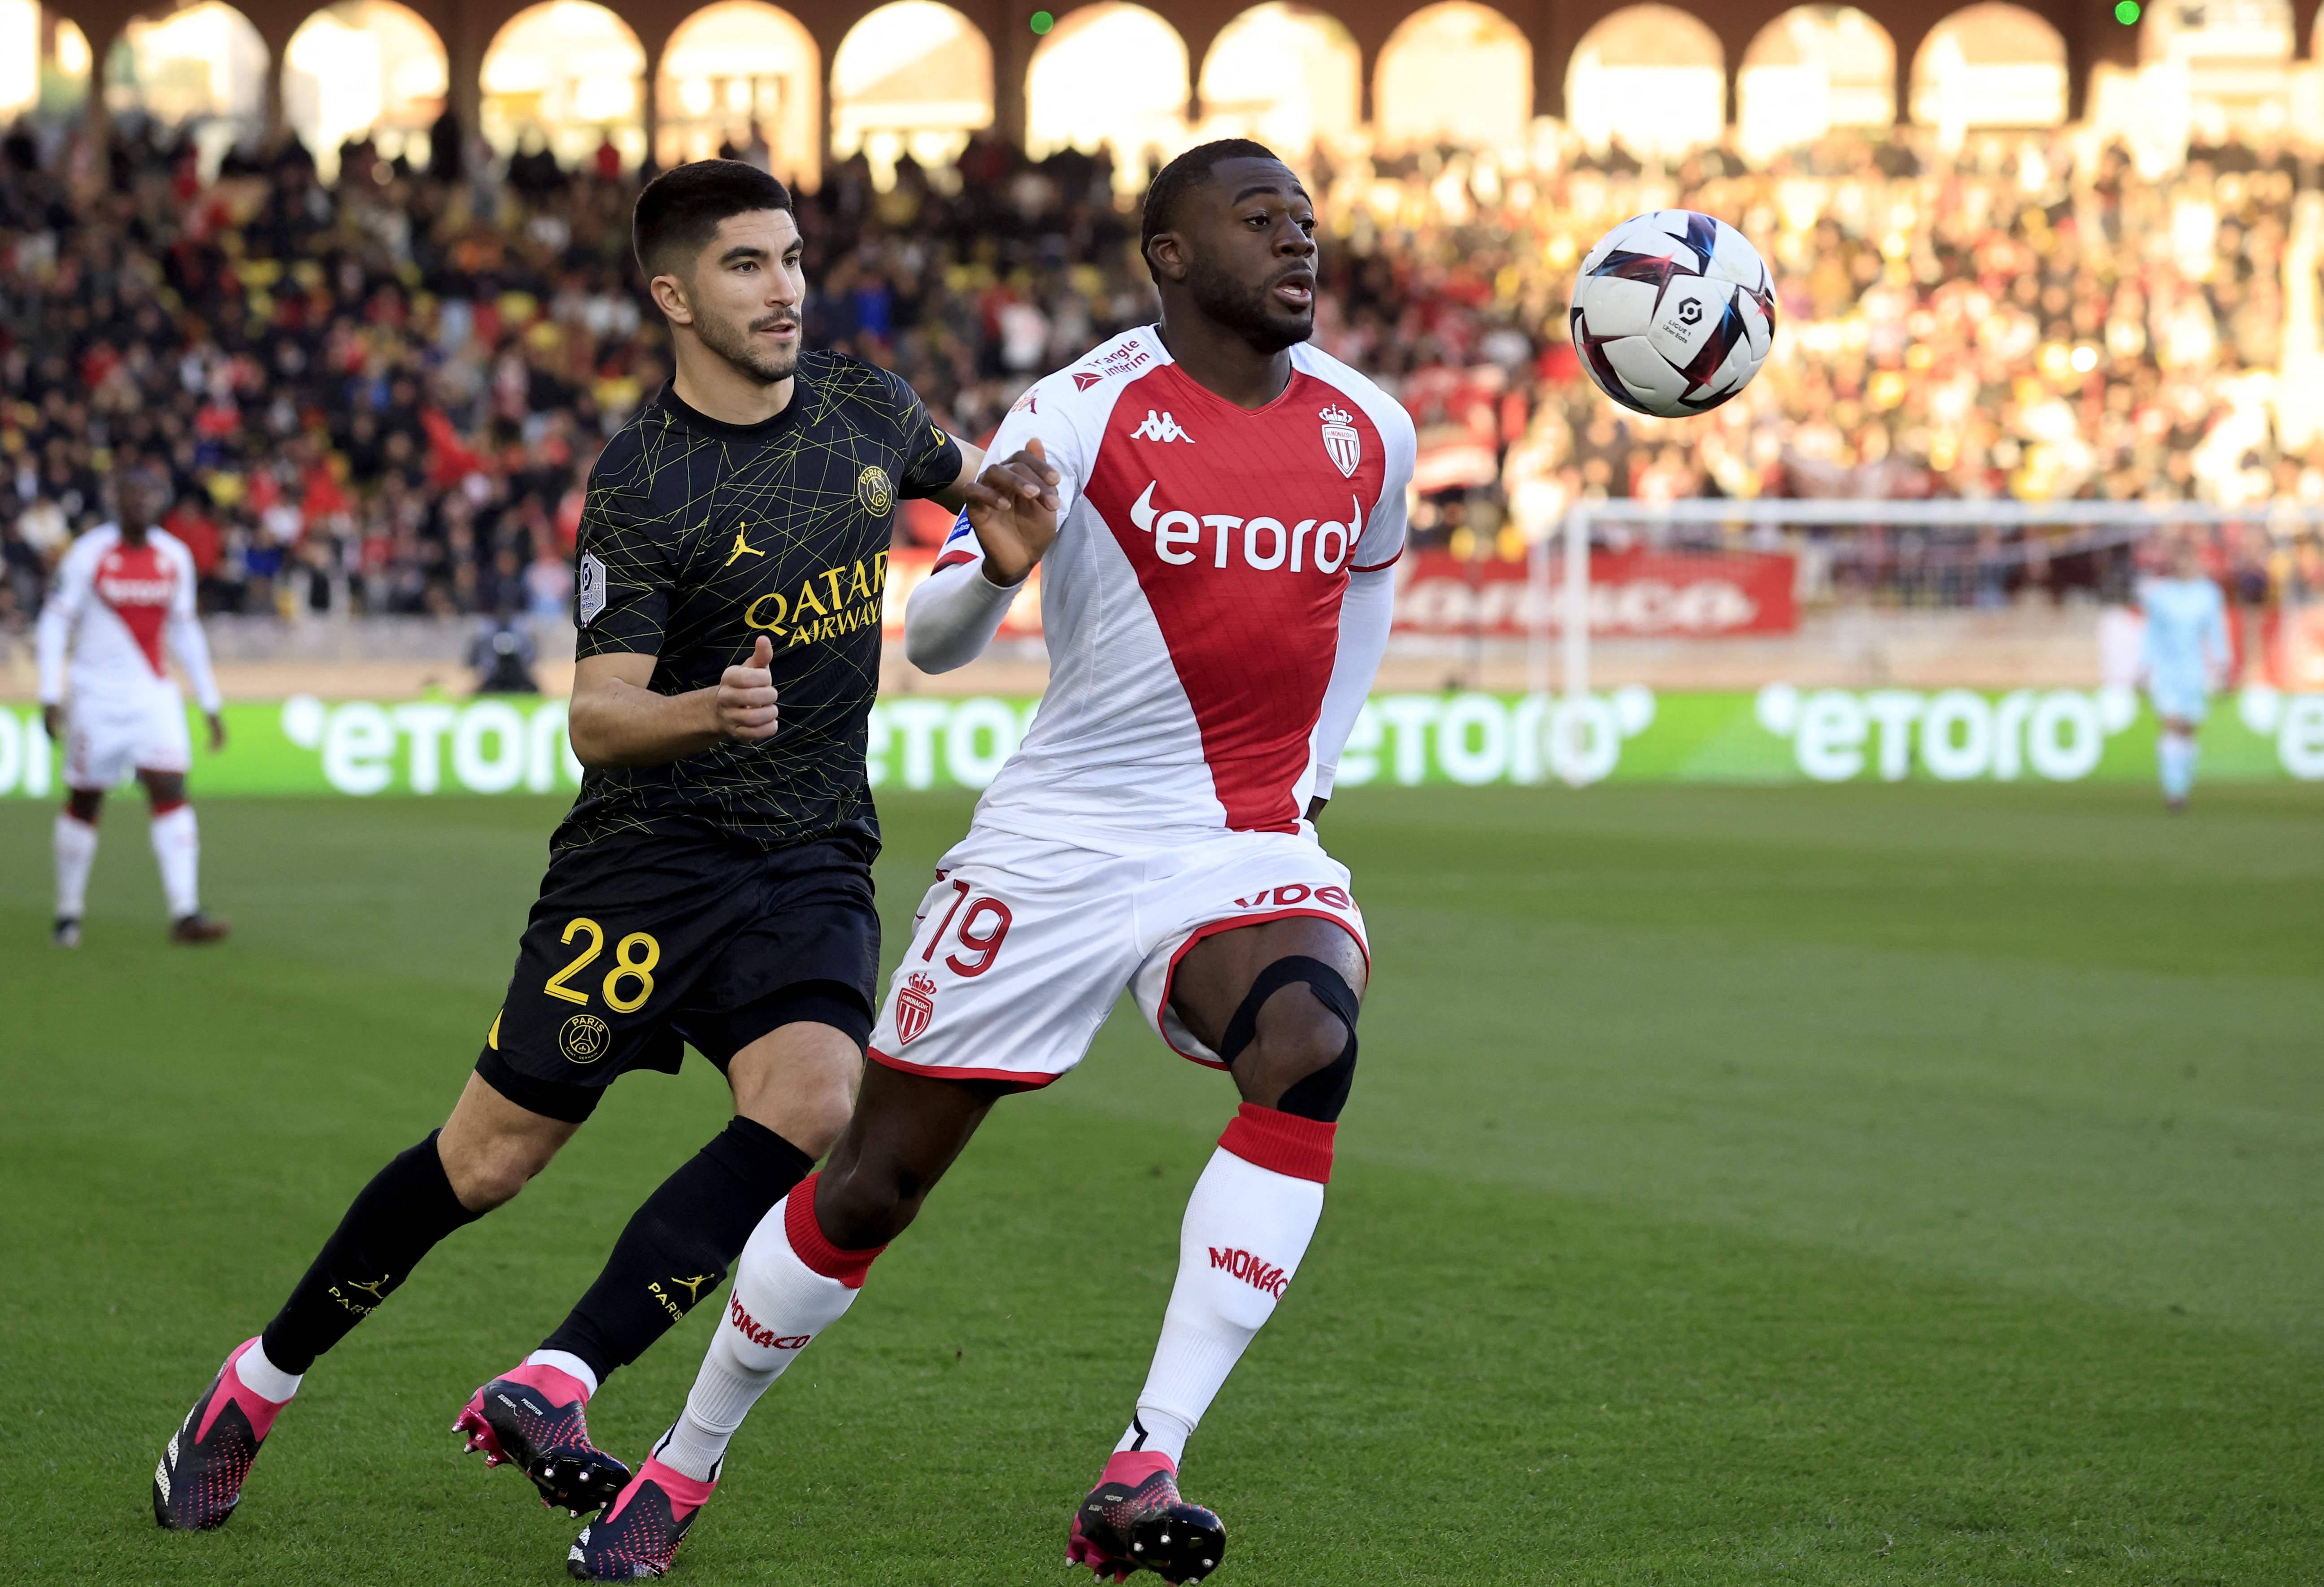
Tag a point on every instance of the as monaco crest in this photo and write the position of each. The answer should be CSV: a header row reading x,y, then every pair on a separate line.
x,y
915,1005
1340,441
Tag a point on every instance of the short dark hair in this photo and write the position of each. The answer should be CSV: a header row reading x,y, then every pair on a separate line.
x,y
679,211
1181,176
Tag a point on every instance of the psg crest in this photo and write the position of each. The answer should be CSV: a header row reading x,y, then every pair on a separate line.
x,y
915,1007
1340,441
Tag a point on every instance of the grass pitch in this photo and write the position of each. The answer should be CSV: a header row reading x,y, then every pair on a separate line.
x,y
1802,1185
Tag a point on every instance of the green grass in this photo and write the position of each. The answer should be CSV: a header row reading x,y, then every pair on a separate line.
x,y
1791,1185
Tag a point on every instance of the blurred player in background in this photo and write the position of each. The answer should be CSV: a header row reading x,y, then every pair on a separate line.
x,y
1217,507
712,884
2184,658
124,594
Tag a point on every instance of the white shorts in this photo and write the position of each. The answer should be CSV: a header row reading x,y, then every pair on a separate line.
x,y
1024,945
107,737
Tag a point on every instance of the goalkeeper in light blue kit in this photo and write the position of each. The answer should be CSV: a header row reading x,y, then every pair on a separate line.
x,y
2185,657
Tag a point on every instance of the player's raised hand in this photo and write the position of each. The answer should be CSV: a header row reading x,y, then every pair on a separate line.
x,y
1012,506
745,701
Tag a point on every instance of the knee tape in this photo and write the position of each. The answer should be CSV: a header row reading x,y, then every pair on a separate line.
x,y
1321,1095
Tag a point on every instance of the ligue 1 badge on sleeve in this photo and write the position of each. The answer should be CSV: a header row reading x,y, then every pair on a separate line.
x,y
915,1007
589,593
1342,441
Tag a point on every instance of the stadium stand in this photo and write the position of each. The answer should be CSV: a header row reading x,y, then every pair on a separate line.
x,y
382,395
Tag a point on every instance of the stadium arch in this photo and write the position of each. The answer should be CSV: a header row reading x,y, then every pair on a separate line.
x,y
1455,70
1990,65
1814,68
1111,74
44,62
1650,76
360,66
567,75
912,77
204,67
736,69
1247,92
2237,62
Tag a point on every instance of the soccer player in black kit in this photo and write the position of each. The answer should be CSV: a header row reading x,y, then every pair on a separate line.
x,y
712,884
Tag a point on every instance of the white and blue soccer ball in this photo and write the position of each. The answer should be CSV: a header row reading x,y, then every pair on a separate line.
x,y
1674,313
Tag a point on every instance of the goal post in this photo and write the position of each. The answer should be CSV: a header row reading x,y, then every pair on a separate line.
x,y
1880,557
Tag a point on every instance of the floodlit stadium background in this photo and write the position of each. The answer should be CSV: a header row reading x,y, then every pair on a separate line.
x,y
361,277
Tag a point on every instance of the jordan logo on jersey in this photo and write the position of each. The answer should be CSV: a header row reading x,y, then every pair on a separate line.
x,y
1160,427
1341,442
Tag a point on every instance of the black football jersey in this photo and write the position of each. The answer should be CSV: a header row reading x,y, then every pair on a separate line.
x,y
698,537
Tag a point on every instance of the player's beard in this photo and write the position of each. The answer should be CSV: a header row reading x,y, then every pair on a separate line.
x,y
1254,313
738,345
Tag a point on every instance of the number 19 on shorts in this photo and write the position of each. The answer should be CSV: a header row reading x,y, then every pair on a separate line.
x,y
982,926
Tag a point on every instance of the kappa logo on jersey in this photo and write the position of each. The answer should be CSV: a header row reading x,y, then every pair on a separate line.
x,y
1342,444
765,1338
1267,543
1027,403
1160,427
915,1005
1252,1269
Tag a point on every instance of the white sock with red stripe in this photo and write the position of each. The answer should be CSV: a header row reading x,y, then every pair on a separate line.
x,y
178,848
790,1284
75,842
1248,1225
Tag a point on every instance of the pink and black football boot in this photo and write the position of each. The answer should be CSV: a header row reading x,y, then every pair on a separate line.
x,y
639,1534
1134,1521
533,1419
199,1480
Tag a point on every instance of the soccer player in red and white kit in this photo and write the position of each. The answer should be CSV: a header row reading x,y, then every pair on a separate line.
x,y
1216,506
122,592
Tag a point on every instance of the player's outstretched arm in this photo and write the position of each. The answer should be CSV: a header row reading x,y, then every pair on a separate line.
x,y
617,719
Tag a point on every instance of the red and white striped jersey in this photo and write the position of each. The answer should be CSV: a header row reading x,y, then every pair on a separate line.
x,y
1194,601
112,607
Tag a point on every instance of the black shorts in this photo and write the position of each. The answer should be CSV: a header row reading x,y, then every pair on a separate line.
x,y
640,947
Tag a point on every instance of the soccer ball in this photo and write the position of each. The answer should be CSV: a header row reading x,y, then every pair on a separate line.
x,y
1672,313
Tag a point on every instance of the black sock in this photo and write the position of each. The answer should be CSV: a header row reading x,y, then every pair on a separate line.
x,y
397,1218
679,1246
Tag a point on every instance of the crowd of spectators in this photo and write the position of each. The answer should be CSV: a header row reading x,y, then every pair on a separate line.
x,y
385,396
